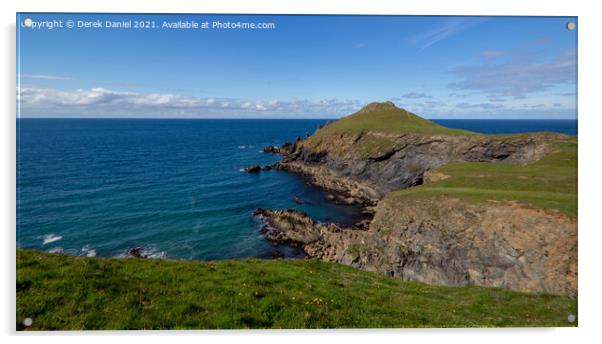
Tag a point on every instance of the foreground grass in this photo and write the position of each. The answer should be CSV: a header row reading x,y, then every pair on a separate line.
x,y
64,292
550,183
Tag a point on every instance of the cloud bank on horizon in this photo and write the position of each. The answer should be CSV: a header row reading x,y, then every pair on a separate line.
x,y
101,102
315,67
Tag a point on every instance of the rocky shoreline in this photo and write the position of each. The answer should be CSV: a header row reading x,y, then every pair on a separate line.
x,y
444,241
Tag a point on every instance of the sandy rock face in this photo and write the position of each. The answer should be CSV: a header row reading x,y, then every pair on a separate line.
x,y
453,242
446,242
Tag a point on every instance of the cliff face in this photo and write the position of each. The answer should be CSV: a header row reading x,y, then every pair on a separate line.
x,y
364,164
446,242
369,177
436,238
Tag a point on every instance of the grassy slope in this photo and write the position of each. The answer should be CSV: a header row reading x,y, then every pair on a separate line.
x,y
64,292
386,117
376,117
550,183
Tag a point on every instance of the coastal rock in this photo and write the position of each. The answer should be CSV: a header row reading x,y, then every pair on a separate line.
x,y
336,165
295,228
136,252
445,242
362,158
271,149
252,169
286,148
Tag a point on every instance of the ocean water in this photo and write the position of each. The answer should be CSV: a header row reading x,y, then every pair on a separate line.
x,y
512,126
173,187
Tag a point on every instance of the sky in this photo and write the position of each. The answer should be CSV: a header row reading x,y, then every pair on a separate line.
x,y
295,66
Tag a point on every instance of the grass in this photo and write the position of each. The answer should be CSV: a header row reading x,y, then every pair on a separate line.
x,y
550,183
363,131
374,118
61,292
386,117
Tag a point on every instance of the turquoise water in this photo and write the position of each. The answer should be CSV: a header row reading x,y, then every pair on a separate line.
x,y
172,187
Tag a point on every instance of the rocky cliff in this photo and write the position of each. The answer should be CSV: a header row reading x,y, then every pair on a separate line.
x,y
364,164
444,236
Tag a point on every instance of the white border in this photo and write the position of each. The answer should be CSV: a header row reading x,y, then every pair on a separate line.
x,y
590,127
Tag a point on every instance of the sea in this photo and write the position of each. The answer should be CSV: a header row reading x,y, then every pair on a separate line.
x,y
173,187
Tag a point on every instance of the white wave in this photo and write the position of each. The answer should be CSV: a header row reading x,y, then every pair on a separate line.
x,y
56,250
89,252
242,147
159,255
48,238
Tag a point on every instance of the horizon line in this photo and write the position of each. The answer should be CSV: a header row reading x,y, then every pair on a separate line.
x,y
288,118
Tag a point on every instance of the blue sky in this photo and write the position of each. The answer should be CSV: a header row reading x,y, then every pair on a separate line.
x,y
305,67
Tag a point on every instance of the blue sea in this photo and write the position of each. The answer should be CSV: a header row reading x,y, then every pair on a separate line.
x,y
99,187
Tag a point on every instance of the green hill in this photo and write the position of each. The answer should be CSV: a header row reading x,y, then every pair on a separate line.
x,y
61,292
386,117
373,129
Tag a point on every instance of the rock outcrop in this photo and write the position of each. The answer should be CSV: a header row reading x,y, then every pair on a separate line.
x,y
445,242
252,169
365,178
436,240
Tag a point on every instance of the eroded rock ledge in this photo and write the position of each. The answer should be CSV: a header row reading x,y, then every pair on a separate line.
x,y
446,242
360,178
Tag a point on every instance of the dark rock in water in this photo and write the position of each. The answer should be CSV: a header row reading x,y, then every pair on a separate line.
x,y
295,228
253,169
297,200
271,149
277,254
267,167
136,252
286,148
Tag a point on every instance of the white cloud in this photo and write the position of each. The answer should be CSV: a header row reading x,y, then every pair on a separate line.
x,y
111,103
483,106
414,95
44,77
518,77
449,28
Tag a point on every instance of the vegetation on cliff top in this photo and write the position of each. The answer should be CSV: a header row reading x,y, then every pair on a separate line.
x,y
374,118
66,292
550,183
378,124
386,117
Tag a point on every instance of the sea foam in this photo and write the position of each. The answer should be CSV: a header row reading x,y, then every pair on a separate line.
x,y
48,238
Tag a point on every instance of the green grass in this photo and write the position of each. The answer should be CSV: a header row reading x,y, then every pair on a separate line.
x,y
386,117
375,118
550,183
64,292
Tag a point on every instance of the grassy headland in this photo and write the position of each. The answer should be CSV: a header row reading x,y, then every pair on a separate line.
x,y
550,183
385,117
65,292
